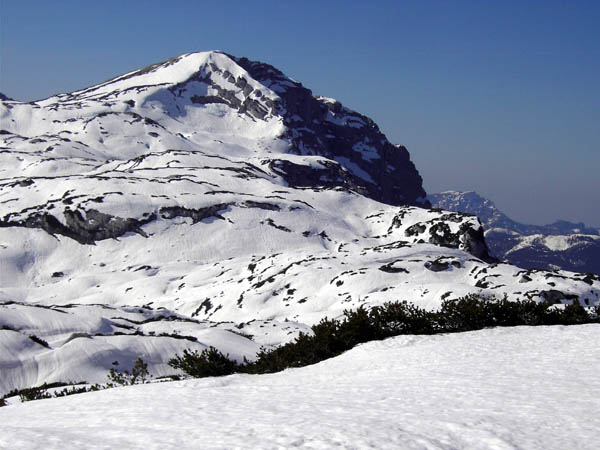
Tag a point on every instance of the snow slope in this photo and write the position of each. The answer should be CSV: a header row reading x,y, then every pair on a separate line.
x,y
503,388
211,200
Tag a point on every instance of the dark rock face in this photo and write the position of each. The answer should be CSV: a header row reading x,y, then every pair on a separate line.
x,y
256,108
318,126
475,244
89,226
439,265
84,226
330,175
4,97
469,237
195,214
555,297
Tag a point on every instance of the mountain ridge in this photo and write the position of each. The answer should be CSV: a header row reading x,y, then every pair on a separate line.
x,y
187,206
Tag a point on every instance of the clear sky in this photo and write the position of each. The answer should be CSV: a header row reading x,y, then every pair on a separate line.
x,y
501,97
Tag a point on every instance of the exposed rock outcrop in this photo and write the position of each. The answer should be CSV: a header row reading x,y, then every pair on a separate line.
x,y
562,244
323,126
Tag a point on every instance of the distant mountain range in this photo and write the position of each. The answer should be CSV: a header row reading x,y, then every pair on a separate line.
x,y
560,245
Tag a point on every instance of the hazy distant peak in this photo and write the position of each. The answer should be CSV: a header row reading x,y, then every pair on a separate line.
x,y
562,244
473,203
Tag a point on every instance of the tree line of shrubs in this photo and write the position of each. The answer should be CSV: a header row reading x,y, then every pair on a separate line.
x,y
137,375
331,337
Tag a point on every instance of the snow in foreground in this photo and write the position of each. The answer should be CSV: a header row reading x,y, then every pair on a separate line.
x,y
504,388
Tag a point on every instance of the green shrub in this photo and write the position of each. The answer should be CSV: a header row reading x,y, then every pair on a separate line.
x,y
473,312
331,337
464,314
78,390
505,313
138,375
209,363
324,343
34,393
395,318
596,313
357,327
574,314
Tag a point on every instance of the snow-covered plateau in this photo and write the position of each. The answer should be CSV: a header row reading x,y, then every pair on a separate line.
x,y
212,201
503,388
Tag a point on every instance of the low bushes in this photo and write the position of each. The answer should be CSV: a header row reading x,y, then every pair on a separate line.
x,y
209,363
332,337
32,393
78,390
138,374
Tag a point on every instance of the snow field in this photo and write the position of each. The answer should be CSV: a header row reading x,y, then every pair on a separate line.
x,y
502,388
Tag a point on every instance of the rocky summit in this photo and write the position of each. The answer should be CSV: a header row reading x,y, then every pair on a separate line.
x,y
210,200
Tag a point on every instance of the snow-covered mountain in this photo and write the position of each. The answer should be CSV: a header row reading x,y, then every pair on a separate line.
x,y
211,200
561,245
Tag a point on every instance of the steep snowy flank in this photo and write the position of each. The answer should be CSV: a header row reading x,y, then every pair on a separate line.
x,y
211,200
202,100
524,387
561,245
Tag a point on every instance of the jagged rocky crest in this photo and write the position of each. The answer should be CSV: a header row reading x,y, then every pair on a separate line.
x,y
323,126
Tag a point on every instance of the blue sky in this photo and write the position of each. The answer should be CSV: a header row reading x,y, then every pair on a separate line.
x,y
498,97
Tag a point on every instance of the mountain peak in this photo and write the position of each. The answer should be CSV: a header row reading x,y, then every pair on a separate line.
x,y
214,92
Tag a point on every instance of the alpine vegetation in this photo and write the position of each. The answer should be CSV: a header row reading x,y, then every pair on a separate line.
x,y
332,337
